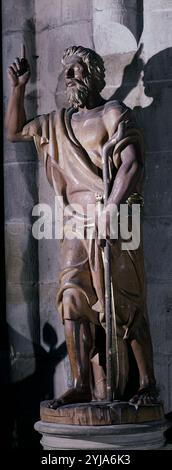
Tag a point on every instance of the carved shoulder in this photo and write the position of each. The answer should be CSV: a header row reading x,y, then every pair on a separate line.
x,y
111,114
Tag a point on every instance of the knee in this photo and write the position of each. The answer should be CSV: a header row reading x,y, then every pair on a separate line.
x,y
69,296
72,303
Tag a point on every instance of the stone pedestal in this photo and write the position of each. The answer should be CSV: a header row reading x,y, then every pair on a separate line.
x,y
146,436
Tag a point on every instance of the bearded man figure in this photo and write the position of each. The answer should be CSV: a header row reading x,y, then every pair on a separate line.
x,y
70,143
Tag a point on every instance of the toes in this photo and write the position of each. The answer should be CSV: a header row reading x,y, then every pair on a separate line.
x,y
133,399
153,399
49,405
53,404
143,399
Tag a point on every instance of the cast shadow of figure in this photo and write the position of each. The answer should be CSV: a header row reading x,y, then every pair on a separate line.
x,y
50,359
155,121
36,385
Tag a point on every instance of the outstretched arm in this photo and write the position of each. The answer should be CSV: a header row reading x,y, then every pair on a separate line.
x,y
15,119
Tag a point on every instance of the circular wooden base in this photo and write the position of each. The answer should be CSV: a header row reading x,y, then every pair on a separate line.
x,y
101,413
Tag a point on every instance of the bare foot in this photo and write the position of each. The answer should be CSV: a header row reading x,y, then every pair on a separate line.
x,y
145,396
74,395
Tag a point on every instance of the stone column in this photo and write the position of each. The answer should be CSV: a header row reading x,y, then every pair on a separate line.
x,y
117,26
110,14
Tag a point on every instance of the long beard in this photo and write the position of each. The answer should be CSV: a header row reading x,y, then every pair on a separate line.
x,y
77,97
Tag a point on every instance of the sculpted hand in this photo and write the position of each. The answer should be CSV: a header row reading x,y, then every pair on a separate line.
x,y
19,70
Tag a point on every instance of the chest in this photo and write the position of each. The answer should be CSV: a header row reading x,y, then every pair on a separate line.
x,y
90,131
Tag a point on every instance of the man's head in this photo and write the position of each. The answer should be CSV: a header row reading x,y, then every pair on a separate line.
x,y
84,74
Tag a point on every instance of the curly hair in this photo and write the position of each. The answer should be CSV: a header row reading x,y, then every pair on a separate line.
x,y
93,61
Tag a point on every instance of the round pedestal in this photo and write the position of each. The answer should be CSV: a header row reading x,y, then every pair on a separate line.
x,y
102,413
146,436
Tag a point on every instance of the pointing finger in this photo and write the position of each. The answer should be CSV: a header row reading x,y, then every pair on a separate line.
x,y
23,51
17,62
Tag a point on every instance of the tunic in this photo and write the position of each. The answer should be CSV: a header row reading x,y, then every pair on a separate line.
x,y
67,162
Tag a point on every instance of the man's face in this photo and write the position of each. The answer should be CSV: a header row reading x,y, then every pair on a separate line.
x,y
77,81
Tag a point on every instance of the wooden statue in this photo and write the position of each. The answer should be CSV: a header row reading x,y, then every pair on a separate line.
x,y
74,144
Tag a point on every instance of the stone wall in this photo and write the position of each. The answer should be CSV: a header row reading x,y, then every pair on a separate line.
x,y
21,193
115,29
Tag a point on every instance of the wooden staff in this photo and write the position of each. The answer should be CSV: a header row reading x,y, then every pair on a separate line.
x,y
107,152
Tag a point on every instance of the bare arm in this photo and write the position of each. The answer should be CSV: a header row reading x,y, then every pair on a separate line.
x,y
15,119
127,176
124,184
130,169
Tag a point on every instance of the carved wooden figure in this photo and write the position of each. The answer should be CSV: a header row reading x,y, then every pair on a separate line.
x,y
72,143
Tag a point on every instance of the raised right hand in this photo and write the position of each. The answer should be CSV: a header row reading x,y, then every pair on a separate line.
x,y
19,71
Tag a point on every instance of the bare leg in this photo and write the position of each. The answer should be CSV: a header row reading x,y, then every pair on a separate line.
x,y
142,349
79,343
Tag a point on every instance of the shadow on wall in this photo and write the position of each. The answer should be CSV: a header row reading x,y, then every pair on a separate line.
x,y
134,22
24,396
155,121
